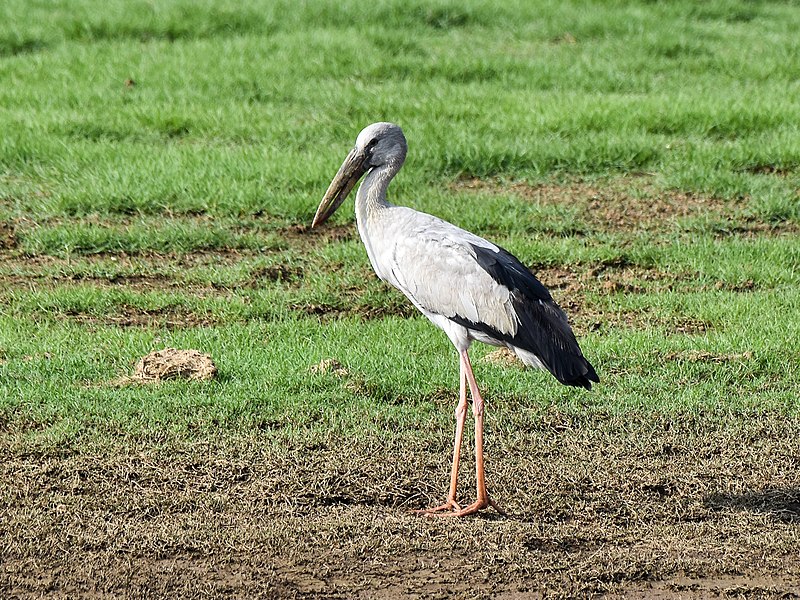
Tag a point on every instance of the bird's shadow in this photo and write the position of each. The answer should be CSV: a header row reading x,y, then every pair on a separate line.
x,y
781,503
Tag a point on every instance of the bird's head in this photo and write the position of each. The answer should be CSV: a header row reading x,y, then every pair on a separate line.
x,y
378,145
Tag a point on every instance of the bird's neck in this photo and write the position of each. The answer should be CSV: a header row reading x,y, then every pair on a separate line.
x,y
371,204
371,196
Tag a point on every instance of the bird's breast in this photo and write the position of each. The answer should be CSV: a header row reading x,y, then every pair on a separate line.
x,y
371,232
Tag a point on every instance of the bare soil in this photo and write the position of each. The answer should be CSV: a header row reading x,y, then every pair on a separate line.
x,y
621,506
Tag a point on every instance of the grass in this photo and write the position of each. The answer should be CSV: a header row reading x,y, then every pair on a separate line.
x,y
160,164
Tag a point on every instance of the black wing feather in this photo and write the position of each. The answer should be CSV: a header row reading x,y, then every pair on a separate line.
x,y
544,329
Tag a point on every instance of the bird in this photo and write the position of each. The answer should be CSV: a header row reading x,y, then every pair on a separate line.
x,y
469,287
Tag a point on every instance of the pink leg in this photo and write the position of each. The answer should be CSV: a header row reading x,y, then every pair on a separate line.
x,y
461,418
483,500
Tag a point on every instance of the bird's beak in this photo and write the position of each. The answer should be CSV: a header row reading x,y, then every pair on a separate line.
x,y
353,167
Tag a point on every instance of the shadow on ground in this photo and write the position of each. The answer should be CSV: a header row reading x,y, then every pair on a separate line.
x,y
781,503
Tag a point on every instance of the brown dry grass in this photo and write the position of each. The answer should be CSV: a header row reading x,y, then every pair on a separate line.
x,y
630,505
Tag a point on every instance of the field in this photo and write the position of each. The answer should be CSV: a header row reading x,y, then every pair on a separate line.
x,y
160,163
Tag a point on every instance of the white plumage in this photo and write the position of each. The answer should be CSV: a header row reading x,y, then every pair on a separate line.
x,y
433,263
469,287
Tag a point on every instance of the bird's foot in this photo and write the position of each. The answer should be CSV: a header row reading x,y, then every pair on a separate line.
x,y
452,509
450,505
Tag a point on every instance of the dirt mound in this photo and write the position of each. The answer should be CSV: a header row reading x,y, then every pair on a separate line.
x,y
8,238
502,357
329,365
172,363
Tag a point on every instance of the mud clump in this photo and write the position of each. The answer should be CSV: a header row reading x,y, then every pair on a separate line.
x,y
329,365
502,357
172,363
8,238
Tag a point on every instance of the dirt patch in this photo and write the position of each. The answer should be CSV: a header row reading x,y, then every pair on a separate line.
x,y
141,274
628,505
279,272
628,204
770,169
783,587
171,317
502,357
574,289
305,234
612,278
327,312
8,238
709,357
151,274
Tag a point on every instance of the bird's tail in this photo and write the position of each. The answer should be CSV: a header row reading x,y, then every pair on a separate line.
x,y
575,371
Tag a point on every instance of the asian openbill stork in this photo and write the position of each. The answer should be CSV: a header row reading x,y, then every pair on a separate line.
x,y
469,287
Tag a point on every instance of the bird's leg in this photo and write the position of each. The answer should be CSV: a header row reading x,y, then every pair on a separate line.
x,y
461,418
483,500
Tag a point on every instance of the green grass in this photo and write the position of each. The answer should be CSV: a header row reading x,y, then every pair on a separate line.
x,y
157,158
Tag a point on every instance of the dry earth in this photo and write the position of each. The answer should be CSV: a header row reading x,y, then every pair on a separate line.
x,y
624,505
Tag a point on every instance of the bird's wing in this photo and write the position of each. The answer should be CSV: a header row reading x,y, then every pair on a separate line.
x,y
448,271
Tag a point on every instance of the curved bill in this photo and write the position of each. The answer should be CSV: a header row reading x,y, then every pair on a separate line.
x,y
353,167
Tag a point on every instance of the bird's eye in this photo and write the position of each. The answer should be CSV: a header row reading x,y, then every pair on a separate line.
x,y
372,143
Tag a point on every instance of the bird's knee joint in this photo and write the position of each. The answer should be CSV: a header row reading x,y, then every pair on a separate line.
x,y
461,410
477,408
